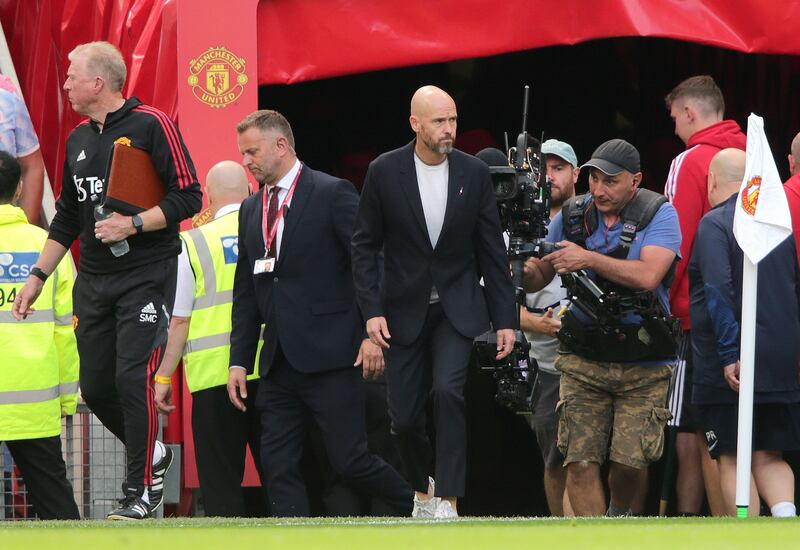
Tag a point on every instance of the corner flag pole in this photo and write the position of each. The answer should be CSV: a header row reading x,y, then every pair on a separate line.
x,y
761,222
746,372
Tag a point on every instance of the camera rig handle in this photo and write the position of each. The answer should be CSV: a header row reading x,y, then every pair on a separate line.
x,y
519,156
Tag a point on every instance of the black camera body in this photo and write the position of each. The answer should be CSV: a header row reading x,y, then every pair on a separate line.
x,y
522,192
607,337
514,374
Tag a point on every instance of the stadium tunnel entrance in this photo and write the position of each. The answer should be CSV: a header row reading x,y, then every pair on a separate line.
x,y
583,94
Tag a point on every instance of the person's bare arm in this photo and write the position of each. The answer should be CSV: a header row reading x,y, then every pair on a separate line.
x,y
543,324
117,227
537,274
176,341
645,273
32,186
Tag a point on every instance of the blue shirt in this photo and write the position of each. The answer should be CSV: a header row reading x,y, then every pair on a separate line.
x,y
663,230
17,135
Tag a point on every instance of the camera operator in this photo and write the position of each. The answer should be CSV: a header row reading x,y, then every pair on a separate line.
x,y
541,324
618,245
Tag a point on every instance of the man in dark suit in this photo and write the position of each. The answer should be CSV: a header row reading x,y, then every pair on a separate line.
x,y
431,208
293,275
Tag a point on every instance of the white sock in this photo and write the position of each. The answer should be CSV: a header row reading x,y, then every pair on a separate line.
x,y
145,496
783,509
158,452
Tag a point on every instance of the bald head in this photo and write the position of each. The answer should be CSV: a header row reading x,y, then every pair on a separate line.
x,y
430,97
433,118
226,183
725,175
794,157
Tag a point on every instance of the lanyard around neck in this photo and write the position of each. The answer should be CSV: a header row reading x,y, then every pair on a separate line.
x,y
269,236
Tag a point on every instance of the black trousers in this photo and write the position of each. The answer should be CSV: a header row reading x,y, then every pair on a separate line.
x,y
221,435
335,401
434,365
45,474
121,332
339,498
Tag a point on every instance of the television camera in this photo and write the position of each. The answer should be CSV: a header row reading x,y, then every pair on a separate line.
x,y
522,191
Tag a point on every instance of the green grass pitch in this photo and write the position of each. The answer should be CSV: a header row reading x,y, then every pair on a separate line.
x,y
401,534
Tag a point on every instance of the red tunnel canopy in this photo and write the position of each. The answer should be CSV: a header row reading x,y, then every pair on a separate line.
x,y
303,40
311,39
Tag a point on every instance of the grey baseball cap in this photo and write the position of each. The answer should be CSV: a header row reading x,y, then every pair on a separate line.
x,y
614,157
561,149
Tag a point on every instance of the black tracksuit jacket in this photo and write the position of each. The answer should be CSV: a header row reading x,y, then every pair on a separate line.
x,y
86,169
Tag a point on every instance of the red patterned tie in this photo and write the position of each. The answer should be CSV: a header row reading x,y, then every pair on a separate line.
x,y
272,217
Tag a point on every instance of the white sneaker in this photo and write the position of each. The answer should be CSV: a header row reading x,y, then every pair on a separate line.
x,y
425,508
445,510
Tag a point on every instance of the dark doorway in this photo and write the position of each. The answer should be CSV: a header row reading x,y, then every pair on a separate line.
x,y
583,94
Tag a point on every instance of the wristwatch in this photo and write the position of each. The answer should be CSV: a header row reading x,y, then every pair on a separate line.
x,y
138,224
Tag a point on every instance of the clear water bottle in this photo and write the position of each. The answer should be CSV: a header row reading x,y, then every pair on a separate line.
x,y
119,248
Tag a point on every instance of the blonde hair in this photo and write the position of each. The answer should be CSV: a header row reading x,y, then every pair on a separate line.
x,y
267,120
105,60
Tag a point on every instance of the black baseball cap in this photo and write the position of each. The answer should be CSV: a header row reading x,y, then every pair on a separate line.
x,y
614,157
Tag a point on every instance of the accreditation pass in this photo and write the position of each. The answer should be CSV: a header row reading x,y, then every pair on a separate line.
x,y
264,265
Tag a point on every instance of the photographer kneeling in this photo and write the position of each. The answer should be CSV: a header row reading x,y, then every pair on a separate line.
x,y
616,247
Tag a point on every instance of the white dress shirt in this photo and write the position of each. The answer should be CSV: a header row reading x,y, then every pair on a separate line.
x,y
283,186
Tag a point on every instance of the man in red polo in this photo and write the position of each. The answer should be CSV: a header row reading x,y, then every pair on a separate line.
x,y
792,188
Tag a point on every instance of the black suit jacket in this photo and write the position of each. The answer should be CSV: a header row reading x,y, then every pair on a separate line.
x,y
308,302
471,245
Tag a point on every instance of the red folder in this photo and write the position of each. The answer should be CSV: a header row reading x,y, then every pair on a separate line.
x,y
133,184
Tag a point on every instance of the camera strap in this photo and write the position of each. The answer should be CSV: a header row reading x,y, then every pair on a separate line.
x,y
579,221
542,310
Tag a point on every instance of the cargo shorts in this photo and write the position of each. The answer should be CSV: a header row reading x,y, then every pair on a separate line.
x,y
620,401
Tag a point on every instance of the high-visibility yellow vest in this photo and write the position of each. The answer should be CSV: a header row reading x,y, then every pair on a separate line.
x,y
39,355
213,249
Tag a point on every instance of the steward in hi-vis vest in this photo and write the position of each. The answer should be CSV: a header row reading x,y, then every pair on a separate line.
x,y
39,366
200,332
213,250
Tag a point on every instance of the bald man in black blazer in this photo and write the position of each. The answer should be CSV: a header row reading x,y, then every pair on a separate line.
x,y
432,210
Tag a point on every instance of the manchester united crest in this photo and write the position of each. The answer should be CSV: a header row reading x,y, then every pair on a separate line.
x,y
750,195
217,77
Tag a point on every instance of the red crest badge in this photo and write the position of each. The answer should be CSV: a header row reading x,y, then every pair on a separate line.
x,y
750,195
217,77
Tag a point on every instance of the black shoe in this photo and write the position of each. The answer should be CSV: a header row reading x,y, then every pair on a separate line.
x,y
155,493
131,508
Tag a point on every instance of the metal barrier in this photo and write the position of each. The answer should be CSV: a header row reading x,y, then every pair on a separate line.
x,y
95,461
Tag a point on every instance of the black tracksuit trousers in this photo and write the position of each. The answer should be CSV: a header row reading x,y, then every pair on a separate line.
x,y
122,323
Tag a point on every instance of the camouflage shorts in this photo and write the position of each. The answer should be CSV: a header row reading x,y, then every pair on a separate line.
x,y
623,401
